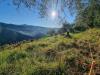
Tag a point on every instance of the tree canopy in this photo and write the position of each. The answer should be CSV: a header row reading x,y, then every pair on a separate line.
x,y
43,6
89,17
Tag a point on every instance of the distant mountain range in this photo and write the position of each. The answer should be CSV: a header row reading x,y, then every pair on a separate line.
x,y
11,33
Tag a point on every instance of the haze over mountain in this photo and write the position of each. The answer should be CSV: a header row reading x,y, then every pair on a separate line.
x,y
10,33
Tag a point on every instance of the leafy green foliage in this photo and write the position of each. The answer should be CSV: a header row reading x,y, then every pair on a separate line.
x,y
88,17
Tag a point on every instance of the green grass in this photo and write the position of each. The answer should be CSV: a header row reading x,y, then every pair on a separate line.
x,y
54,55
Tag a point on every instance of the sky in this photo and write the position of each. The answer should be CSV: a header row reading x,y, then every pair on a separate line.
x,y
9,14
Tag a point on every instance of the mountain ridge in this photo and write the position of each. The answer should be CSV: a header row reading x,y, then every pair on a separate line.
x,y
25,32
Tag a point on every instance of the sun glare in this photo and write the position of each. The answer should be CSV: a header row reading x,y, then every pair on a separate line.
x,y
53,14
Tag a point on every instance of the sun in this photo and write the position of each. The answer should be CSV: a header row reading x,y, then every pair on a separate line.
x,y
53,14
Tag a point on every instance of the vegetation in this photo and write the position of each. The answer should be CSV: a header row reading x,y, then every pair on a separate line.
x,y
54,55
65,28
57,55
88,16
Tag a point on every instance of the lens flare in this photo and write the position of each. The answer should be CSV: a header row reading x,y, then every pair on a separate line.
x,y
53,14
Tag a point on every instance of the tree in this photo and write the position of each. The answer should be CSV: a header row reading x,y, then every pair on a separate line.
x,y
65,28
89,17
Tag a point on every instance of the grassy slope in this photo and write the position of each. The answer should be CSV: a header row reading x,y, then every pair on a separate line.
x,y
52,55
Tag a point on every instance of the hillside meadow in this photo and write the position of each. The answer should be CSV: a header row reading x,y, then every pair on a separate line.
x,y
55,55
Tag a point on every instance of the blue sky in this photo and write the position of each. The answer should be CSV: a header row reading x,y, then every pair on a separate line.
x,y
9,14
